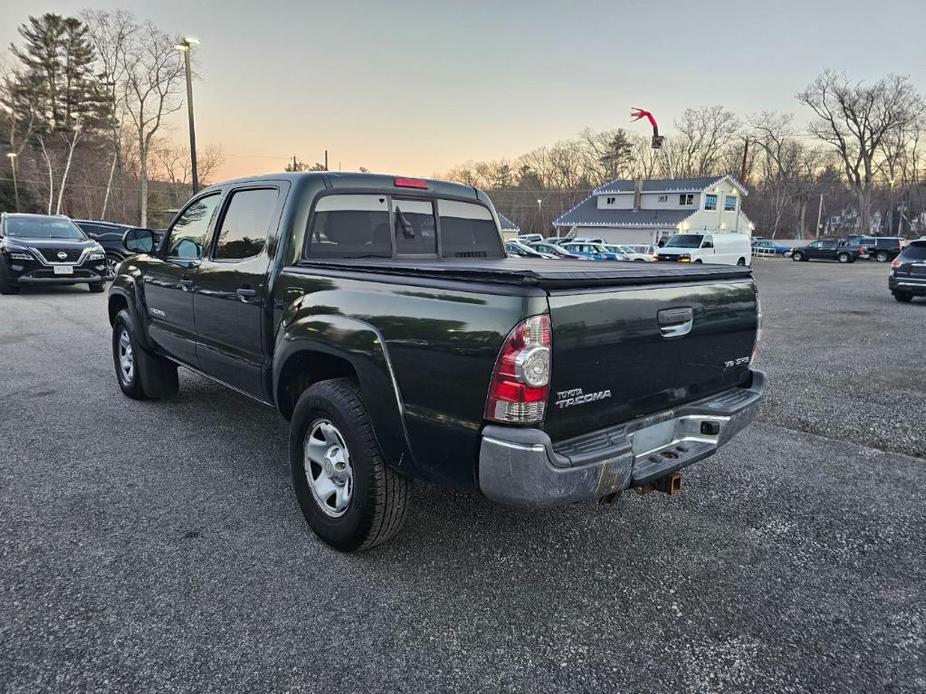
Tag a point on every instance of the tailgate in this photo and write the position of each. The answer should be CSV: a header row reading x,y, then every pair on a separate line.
x,y
623,353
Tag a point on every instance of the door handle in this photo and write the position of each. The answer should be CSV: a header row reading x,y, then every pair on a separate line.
x,y
245,293
675,322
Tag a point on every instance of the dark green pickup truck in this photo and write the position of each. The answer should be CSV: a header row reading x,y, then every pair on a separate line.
x,y
382,317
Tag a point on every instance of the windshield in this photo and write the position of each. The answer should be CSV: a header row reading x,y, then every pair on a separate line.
x,y
43,228
685,241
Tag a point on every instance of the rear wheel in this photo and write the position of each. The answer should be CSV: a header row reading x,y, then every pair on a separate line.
x,y
349,496
903,297
881,257
741,261
844,258
796,256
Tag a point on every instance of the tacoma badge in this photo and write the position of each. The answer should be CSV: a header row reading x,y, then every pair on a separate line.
x,y
575,396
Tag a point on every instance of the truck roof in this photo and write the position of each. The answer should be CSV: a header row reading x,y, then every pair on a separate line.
x,y
356,180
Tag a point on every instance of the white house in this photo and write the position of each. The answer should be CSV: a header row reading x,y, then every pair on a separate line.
x,y
509,229
648,211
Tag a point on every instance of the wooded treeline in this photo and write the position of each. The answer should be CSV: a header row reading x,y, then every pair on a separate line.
x,y
862,151
83,103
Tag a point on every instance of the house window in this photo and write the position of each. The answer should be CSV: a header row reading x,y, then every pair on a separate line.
x,y
663,198
609,201
686,199
710,202
729,203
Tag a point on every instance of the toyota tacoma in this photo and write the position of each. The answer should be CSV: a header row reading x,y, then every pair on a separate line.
x,y
382,318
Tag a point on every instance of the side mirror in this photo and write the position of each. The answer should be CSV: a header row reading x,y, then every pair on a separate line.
x,y
138,240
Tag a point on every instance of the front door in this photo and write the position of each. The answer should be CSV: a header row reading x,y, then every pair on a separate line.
x,y
231,295
169,281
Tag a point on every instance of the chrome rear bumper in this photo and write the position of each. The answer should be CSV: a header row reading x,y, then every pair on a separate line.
x,y
523,467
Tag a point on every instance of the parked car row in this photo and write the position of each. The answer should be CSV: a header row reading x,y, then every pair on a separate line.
x,y
845,250
38,249
721,249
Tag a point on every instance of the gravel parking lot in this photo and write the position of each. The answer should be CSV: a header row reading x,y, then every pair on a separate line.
x,y
158,546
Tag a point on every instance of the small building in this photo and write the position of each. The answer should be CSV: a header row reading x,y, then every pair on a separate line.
x,y
509,228
648,211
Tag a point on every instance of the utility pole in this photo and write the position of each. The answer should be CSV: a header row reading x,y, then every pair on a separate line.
x,y
185,47
743,165
819,215
12,156
326,160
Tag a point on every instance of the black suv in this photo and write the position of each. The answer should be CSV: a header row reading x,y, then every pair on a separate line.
x,y
908,276
37,249
826,249
881,248
110,236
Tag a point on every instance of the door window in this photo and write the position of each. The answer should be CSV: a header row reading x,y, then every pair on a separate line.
x,y
188,234
708,242
245,224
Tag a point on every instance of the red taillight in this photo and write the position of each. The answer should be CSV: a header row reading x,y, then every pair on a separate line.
x,y
896,263
520,383
410,183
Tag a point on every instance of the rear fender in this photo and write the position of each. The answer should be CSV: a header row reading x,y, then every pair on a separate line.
x,y
363,347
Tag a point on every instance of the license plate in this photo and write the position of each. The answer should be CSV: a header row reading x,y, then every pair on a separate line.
x,y
64,270
652,437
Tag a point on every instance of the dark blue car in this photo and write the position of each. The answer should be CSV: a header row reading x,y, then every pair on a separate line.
x,y
109,235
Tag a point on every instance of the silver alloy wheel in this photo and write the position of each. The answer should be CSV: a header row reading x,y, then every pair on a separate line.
x,y
126,357
111,264
327,468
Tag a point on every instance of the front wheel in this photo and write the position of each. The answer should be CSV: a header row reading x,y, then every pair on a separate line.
x,y
112,262
741,262
140,374
797,256
349,496
5,286
881,257
903,297
843,258
97,287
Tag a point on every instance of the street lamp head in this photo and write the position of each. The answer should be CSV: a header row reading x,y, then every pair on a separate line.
x,y
540,202
12,155
191,41
182,47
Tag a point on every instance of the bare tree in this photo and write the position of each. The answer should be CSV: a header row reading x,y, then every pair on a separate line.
x,y
855,118
705,136
111,33
171,163
153,83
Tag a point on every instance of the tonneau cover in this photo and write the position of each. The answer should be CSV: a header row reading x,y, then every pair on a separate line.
x,y
546,274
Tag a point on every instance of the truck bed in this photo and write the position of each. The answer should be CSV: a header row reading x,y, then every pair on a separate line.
x,y
545,274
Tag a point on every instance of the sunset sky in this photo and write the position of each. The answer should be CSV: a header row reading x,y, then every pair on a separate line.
x,y
416,87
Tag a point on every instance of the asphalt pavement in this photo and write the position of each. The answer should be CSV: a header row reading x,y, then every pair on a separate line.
x,y
157,546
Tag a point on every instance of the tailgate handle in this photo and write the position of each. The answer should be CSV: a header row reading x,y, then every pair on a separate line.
x,y
675,322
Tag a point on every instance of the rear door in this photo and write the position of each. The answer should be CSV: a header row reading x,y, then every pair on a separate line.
x,y
621,353
230,297
170,277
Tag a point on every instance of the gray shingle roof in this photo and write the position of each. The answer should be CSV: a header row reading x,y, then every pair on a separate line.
x,y
687,185
586,213
507,224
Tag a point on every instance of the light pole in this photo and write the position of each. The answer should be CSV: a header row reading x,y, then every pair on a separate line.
x,y
185,47
12,156
540,211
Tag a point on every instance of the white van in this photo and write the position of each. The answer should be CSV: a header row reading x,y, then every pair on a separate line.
x,y
724,248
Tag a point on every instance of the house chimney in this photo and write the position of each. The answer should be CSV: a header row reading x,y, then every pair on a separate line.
x,y
637,193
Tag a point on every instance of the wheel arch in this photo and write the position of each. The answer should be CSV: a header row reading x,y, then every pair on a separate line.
x,y
320,347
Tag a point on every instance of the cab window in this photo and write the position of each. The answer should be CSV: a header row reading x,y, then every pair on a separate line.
x,y
708,242
188,234
243,231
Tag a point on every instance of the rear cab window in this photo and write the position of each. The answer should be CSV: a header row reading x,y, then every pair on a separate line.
x,y
385,226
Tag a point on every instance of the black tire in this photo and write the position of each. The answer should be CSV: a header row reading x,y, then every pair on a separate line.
x,y
881,257
378,494
699,262
151,376
6,287
741,262
797,256
844,258
903,297
97,287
